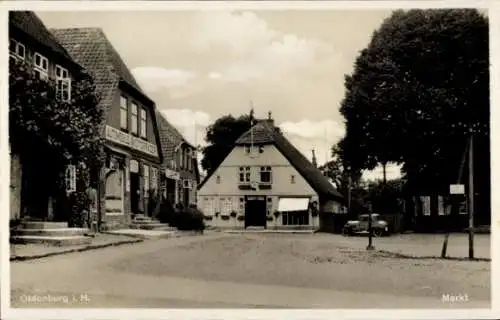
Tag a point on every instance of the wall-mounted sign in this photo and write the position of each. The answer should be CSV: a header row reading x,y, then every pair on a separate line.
x,y
125,139
171,174
457,189
134,166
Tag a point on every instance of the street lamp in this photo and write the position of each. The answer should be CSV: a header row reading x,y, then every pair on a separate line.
x,y
370,230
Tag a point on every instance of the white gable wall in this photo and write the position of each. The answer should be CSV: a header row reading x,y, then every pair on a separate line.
x,y
282,171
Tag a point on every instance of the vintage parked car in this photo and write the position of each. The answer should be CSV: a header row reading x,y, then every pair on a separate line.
x,y
380,227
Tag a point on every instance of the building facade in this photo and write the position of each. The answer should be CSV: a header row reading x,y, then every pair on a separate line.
x,y
32,43
265,181
131,173
180,177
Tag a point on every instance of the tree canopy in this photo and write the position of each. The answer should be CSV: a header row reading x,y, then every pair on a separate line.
x,y
417,91
221,136
49,131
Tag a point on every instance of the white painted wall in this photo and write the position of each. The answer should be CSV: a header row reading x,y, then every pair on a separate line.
x,y
214,194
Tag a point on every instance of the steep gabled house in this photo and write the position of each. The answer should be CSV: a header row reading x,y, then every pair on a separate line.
x,y
181,175
132,140
31,42
266,180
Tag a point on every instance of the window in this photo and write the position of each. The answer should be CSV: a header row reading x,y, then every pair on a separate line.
x,y
41,66
226,206
17,49
186,157
298,218
134,118
217,180
242,203
146,179
265,174
244,174
63,84
292,179
248,149
189,160
123,113
143,123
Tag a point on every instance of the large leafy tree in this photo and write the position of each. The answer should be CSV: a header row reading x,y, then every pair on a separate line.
x,y
220,137
418,91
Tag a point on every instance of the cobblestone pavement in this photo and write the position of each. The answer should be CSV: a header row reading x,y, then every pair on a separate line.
x,y
247,271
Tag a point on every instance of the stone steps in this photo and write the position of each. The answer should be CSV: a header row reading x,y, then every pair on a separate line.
x,y
51,240
66,232
43,225
49,233
149,226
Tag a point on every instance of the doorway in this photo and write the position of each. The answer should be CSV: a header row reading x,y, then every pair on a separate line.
x,y
134,192
255,211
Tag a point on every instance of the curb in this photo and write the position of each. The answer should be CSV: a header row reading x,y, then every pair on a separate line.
x,y
407,256
87,248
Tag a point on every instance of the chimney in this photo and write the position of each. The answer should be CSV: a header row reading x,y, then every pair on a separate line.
x,y
270,120
314,162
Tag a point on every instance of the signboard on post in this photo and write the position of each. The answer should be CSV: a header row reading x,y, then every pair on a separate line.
x,y
457,189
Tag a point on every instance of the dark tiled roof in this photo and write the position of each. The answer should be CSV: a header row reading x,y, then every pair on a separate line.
x,y
91,48
265,132
30,24
170,137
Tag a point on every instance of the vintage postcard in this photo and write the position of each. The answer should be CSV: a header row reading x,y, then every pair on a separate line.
x,y
248,159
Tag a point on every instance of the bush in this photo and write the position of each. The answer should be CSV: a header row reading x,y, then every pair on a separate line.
x,y
79,210
191,219
233,214
167,211
224,217
241,218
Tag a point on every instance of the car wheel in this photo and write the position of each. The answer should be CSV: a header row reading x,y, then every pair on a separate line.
x,y
346,232
378,232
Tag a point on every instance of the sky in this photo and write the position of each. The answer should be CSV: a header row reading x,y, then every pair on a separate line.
x,y
200,65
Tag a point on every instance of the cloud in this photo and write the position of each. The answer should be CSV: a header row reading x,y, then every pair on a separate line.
x,y
191,124
393,171
252,49
155,79
307,129
214,75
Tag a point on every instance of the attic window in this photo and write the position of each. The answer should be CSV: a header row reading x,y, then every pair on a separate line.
x,y
217,179
292,179
247,149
